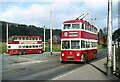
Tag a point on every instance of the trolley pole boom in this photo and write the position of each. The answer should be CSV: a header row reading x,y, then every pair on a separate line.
x,y
109,38
84,16
79,17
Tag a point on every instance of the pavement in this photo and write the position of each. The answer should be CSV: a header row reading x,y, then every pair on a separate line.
x,y
91,71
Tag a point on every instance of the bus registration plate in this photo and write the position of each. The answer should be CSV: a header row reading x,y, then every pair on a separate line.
x,y
70,56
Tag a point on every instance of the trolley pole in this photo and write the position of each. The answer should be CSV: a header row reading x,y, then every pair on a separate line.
x,y
44,38
51,32
109,38
7,36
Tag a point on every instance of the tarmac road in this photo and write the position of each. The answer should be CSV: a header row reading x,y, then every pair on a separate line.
x,y
38,66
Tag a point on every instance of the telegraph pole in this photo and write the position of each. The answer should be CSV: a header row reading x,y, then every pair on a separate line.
x,y
44,38
109,38
51,32
7,36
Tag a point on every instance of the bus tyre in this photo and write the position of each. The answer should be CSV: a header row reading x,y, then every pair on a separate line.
x,y
95,56
24,52
62,62
83,59
20,52
40,51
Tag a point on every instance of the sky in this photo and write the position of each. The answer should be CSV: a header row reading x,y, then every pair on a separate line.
x,y
37,12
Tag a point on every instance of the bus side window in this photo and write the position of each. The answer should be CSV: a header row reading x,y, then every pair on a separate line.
x,y
66,26
82,26
75,26
39,38
9,46
82,44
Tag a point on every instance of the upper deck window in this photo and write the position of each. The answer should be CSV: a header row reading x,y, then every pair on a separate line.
x,y
66,26
75,26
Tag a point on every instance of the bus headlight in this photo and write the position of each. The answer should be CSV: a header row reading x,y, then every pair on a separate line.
x,y
62,54
78,54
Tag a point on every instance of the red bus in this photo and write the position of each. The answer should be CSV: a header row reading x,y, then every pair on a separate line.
x,y
78,41
24,45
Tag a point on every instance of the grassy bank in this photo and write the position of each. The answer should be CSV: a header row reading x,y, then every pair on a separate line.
x,y
101,47
56,47
2,48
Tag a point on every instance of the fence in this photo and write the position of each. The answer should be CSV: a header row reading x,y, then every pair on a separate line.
x,y
117,52
116,60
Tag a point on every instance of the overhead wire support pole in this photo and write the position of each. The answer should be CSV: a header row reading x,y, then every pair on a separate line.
x,y
109,38
44,38
51,32
7,36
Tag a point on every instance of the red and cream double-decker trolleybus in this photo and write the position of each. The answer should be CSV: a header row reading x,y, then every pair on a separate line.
x,y
24,45
78,41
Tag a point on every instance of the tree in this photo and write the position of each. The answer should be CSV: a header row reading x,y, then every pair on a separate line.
x,y
101,39
105,33
116,36
25,30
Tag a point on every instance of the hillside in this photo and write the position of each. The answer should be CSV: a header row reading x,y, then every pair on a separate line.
x,y
25,30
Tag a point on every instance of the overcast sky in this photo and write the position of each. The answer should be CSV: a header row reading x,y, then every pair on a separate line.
x,y
37,12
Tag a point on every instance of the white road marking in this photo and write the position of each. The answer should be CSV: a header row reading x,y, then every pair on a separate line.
x,y
56,78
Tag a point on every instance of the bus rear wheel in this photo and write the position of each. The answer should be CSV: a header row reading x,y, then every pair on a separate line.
x,y
20,52
95,56
83,59
24,52
40,51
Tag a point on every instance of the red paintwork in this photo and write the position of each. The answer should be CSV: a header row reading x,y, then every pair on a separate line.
x,y
13,42
81,34
88,54
88,35
28,51
39,42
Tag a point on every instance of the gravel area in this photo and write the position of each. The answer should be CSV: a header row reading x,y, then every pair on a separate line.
x,y
8,61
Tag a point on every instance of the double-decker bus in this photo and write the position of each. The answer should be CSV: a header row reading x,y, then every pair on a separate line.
x,y
78,41
24,45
